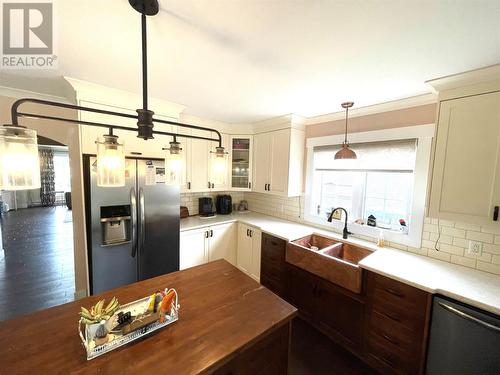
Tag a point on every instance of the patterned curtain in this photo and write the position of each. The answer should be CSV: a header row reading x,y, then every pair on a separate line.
x,y
48,186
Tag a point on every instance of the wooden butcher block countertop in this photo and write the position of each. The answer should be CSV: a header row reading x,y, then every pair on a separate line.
x,y
223,312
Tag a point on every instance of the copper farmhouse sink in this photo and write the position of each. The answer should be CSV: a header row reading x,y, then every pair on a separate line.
x,y
330,259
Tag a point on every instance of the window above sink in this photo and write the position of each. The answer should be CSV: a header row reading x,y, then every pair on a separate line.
x,y
388,181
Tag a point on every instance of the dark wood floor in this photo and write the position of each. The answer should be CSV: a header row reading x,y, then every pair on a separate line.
x,y
37,267
312,353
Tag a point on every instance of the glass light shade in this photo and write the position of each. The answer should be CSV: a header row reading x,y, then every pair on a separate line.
x,y
110,162
218,166
19,161
174,164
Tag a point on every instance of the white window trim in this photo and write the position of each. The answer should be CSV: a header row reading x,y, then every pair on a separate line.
x,y
424,135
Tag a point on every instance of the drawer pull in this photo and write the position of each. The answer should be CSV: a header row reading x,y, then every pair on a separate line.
x,y
391,340
394,292
393,317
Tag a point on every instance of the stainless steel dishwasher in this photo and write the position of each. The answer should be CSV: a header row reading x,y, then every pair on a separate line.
x,y
463,340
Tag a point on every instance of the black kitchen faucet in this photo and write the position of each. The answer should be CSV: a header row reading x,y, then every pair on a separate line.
x,y
345,232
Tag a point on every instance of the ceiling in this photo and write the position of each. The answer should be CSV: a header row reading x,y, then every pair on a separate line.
x,y
243,61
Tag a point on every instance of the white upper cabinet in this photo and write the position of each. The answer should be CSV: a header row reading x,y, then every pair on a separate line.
x,y
465,185
198,165
240,162
262,155
221,185
278,162
466,174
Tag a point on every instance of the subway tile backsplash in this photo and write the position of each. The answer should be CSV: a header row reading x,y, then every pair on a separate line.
x,y
190,200
452,238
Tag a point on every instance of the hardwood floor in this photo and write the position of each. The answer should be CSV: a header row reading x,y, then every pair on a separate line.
x,y
37,266
312,353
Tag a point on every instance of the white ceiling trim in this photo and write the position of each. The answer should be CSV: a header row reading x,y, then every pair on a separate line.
x,y
12,92
95,93
394,105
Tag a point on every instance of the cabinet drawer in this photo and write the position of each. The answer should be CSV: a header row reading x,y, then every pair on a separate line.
x,y
388,358
273,248
399,302
386,330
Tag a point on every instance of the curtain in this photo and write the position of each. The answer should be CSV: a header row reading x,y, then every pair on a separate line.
x,y
47,177
396,155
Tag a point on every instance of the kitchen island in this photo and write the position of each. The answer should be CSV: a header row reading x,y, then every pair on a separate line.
x,y
228,324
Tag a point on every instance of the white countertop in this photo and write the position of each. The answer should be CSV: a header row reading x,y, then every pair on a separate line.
x,y
477,288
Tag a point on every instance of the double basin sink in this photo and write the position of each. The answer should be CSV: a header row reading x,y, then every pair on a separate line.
x,y
329,259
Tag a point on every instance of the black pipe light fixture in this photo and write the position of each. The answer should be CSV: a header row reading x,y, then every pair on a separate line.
x,y
345,152
19,162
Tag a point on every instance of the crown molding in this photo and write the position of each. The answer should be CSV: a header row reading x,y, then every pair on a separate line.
x,y
280,122
468,78
95,93
394,105
16,93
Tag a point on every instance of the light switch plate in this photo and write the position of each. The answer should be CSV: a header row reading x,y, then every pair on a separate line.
x,y
337,215
475,248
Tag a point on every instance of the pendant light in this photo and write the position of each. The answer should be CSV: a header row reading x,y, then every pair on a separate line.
x,y
345,152
173,163
110,161
19,162
218,166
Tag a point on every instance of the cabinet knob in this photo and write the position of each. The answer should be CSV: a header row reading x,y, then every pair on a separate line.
x,y
495,213
209,184
189,185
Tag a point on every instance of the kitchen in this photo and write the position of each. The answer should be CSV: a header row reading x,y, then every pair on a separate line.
x,y
368,228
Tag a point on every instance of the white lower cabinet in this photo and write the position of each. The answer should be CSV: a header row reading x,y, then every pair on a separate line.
x,y
199,246
222,242
248,255
192,248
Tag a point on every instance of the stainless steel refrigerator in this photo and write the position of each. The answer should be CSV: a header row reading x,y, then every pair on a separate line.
x,y
132,231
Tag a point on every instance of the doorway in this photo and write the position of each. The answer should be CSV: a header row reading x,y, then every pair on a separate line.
x,y
37,257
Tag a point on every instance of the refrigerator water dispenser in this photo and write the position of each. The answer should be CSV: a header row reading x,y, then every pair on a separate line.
x,y
115,224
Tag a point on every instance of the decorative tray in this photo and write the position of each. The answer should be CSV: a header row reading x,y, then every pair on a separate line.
x,y
141,323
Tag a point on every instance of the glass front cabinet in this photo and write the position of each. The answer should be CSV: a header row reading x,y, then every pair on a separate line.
x,y
241,162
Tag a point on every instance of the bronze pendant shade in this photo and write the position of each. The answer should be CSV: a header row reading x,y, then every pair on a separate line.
x,y
345,152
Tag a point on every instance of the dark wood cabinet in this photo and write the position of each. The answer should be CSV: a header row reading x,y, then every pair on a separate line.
x,y
397,324
269,356
327,306
301,291
340,314
386,325
272,266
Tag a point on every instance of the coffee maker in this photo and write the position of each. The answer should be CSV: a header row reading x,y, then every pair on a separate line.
x,y
224,204
206,207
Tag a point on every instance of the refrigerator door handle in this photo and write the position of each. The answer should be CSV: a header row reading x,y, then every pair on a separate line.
x,y
133,221
142,220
